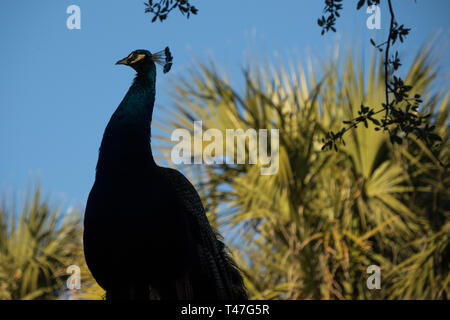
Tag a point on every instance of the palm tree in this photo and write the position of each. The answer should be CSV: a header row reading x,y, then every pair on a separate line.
x,y
36,247
311,230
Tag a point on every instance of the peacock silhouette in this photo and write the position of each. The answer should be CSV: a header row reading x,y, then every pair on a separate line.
x,y
146,234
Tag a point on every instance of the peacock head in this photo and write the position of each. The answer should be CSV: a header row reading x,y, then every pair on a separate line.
x,y
143,60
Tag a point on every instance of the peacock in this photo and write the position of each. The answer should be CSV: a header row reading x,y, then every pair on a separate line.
x,y
146,234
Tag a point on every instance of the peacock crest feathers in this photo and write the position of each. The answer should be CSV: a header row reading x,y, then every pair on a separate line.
x,y
163,58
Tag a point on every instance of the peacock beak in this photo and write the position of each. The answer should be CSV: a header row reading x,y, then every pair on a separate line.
x,y
123,61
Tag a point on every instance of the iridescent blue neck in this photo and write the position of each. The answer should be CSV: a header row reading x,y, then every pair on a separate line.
x,y
126,141
136,107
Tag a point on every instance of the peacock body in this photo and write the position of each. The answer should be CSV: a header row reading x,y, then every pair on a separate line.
x,y
146,234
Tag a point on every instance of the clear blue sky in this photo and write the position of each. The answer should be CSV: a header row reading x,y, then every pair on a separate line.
x,y
59,86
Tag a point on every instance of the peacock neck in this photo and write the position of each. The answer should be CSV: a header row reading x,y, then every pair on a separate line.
x,y
126,141
136,107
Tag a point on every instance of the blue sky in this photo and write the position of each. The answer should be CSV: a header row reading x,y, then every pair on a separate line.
x,y
59,87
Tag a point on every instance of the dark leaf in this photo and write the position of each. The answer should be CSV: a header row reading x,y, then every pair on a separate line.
x,y
360,4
